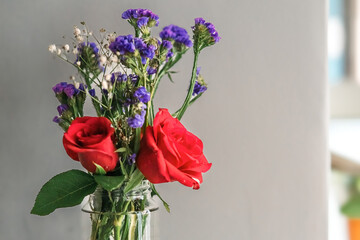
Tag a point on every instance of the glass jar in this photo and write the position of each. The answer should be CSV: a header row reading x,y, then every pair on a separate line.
x,y
118,216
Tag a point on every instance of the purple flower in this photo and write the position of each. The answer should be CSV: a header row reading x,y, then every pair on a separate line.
x,y
176,33
92,92
141,22
123,45
198,88
56,119
167,44
118,76
137,121
131,159
198,69
142,94
59,88
151,71
62,108
70,90
205,32
153,19
134,78
88,57
82,87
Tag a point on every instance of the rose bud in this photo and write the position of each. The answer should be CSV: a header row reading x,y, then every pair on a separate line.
x,y
168,152
89,140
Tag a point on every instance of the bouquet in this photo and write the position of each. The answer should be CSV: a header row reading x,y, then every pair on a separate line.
x,y
126,148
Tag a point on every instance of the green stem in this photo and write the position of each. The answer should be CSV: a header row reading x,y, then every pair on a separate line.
x,y
185,105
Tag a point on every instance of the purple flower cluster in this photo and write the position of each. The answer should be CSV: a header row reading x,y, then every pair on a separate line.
x,y
131,159
118,76
210,28
177,34
142,16
198,88
168,46
69,89
62,108
123,45
128,44
138,120
92,92
142,94
89,44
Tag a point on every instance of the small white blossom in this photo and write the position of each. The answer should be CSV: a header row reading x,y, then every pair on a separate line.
x,y
79,38
77,31
77,85
78,63
114,59
110,95
58,51
66,47
102,59
90,33
52,48
75,51
72,78
104,85
112,37
107,77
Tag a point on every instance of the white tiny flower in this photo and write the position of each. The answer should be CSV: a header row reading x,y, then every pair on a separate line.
x,y
104,85
52,48
118,53
79,38
77,85
102,59
112,37
72,78
114,59
107,77
110,95
66,47
90,33
58,51
77,31
78,63
75,51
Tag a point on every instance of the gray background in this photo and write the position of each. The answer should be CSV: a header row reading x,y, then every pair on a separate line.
x,y
263,119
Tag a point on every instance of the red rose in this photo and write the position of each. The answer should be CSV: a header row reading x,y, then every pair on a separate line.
x,y
89,140
168,152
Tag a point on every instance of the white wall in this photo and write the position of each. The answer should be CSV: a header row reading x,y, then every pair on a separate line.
x,y
263,119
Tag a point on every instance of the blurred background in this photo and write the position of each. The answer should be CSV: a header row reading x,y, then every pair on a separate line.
x,y
263,120
344,127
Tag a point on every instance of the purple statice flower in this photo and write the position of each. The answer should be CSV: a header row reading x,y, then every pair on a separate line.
x,y
177,34
59,88
143,21
134,78
92,92
138,120
142,94
151,70
62,108
70,90
105,92
146,51
123,45
118,76
130,14
206,32
198,69
167,44
56,119
198,88
131,159
82,87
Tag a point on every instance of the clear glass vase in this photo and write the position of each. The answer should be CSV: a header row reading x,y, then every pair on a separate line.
x,y
118,216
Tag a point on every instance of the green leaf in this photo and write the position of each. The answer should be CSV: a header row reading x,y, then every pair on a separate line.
x,y
170,78
99,169
352,207
122,149
135,179
154,192
109,183
64,190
